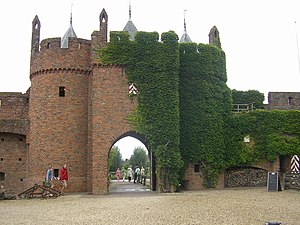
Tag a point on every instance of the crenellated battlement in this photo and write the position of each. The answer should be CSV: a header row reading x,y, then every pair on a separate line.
x,y
52,57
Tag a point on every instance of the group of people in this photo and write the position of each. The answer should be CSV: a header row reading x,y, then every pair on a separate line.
x,y
63,177
137,175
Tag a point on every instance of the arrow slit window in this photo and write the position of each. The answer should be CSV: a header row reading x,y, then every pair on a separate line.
x,y
62,91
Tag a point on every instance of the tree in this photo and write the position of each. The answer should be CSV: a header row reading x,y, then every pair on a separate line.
x,y
250,96
139,157
115,159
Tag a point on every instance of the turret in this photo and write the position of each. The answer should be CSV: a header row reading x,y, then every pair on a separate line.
x,y
70,33
35,40
103,25
130,27
185,37
214,37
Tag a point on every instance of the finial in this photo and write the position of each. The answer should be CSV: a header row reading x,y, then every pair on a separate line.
x,y
129,9
184,20
71,13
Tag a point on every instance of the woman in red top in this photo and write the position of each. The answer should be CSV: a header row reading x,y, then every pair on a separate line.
x,y
63,176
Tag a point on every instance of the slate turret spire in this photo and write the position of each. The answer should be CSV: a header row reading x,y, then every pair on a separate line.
x,y
70,33
130,27
185,37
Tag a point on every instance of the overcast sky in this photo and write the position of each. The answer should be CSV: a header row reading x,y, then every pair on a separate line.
x,y
258,36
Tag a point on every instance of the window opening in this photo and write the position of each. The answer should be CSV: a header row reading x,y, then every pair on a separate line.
x,y
290,100
56,172
0,102
196,168
62,91
216,34
48,45
2,139
2,176
20,159
36,26
2,159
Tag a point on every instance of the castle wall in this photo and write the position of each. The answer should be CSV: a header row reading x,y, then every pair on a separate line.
x,y
109,106
13,162
13,106
13,148
283,100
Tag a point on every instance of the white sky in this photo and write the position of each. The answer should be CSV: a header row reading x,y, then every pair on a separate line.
x,y
127,145
258,36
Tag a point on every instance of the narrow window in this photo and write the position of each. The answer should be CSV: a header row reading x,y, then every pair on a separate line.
x,y
36,26
48,45
0,102
197,168
20,159
1,159
62,91
290,101
56,172
79,45
2,176
216,34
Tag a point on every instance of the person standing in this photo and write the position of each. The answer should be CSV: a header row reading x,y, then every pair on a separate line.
x,y
49,177
118,173
143,178
138,174
63,176
129,173
123,173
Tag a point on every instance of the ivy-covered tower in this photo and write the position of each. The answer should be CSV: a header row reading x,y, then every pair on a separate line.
x,y
205,102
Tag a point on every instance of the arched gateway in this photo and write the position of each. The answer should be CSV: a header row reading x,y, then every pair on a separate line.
x,y
73,113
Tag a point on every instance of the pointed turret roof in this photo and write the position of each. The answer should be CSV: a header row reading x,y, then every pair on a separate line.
x,y
130,27
70,33
185,37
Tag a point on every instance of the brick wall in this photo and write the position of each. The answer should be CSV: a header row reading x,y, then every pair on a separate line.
x,y
14,106
283,100
110,106
13,162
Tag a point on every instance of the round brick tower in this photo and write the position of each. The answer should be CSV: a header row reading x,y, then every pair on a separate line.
x,y
58,107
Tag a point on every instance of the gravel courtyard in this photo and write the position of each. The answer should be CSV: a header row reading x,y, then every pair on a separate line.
x,y
215,207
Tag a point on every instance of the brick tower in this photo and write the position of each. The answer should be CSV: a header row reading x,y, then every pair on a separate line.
x,y
58,106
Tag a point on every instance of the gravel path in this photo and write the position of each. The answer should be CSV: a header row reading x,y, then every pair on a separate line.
x,y
215,207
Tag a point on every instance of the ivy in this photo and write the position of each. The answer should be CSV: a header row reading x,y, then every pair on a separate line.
x,y
272,133
153,67
205,104
185,108
247,97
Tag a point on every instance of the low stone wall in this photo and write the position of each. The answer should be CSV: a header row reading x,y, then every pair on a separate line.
x,y
245,177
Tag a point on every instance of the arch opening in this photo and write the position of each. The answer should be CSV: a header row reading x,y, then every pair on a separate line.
x,y
131,167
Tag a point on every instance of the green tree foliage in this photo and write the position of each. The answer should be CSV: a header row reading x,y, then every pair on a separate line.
x,y
114,159
139,157
247,97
